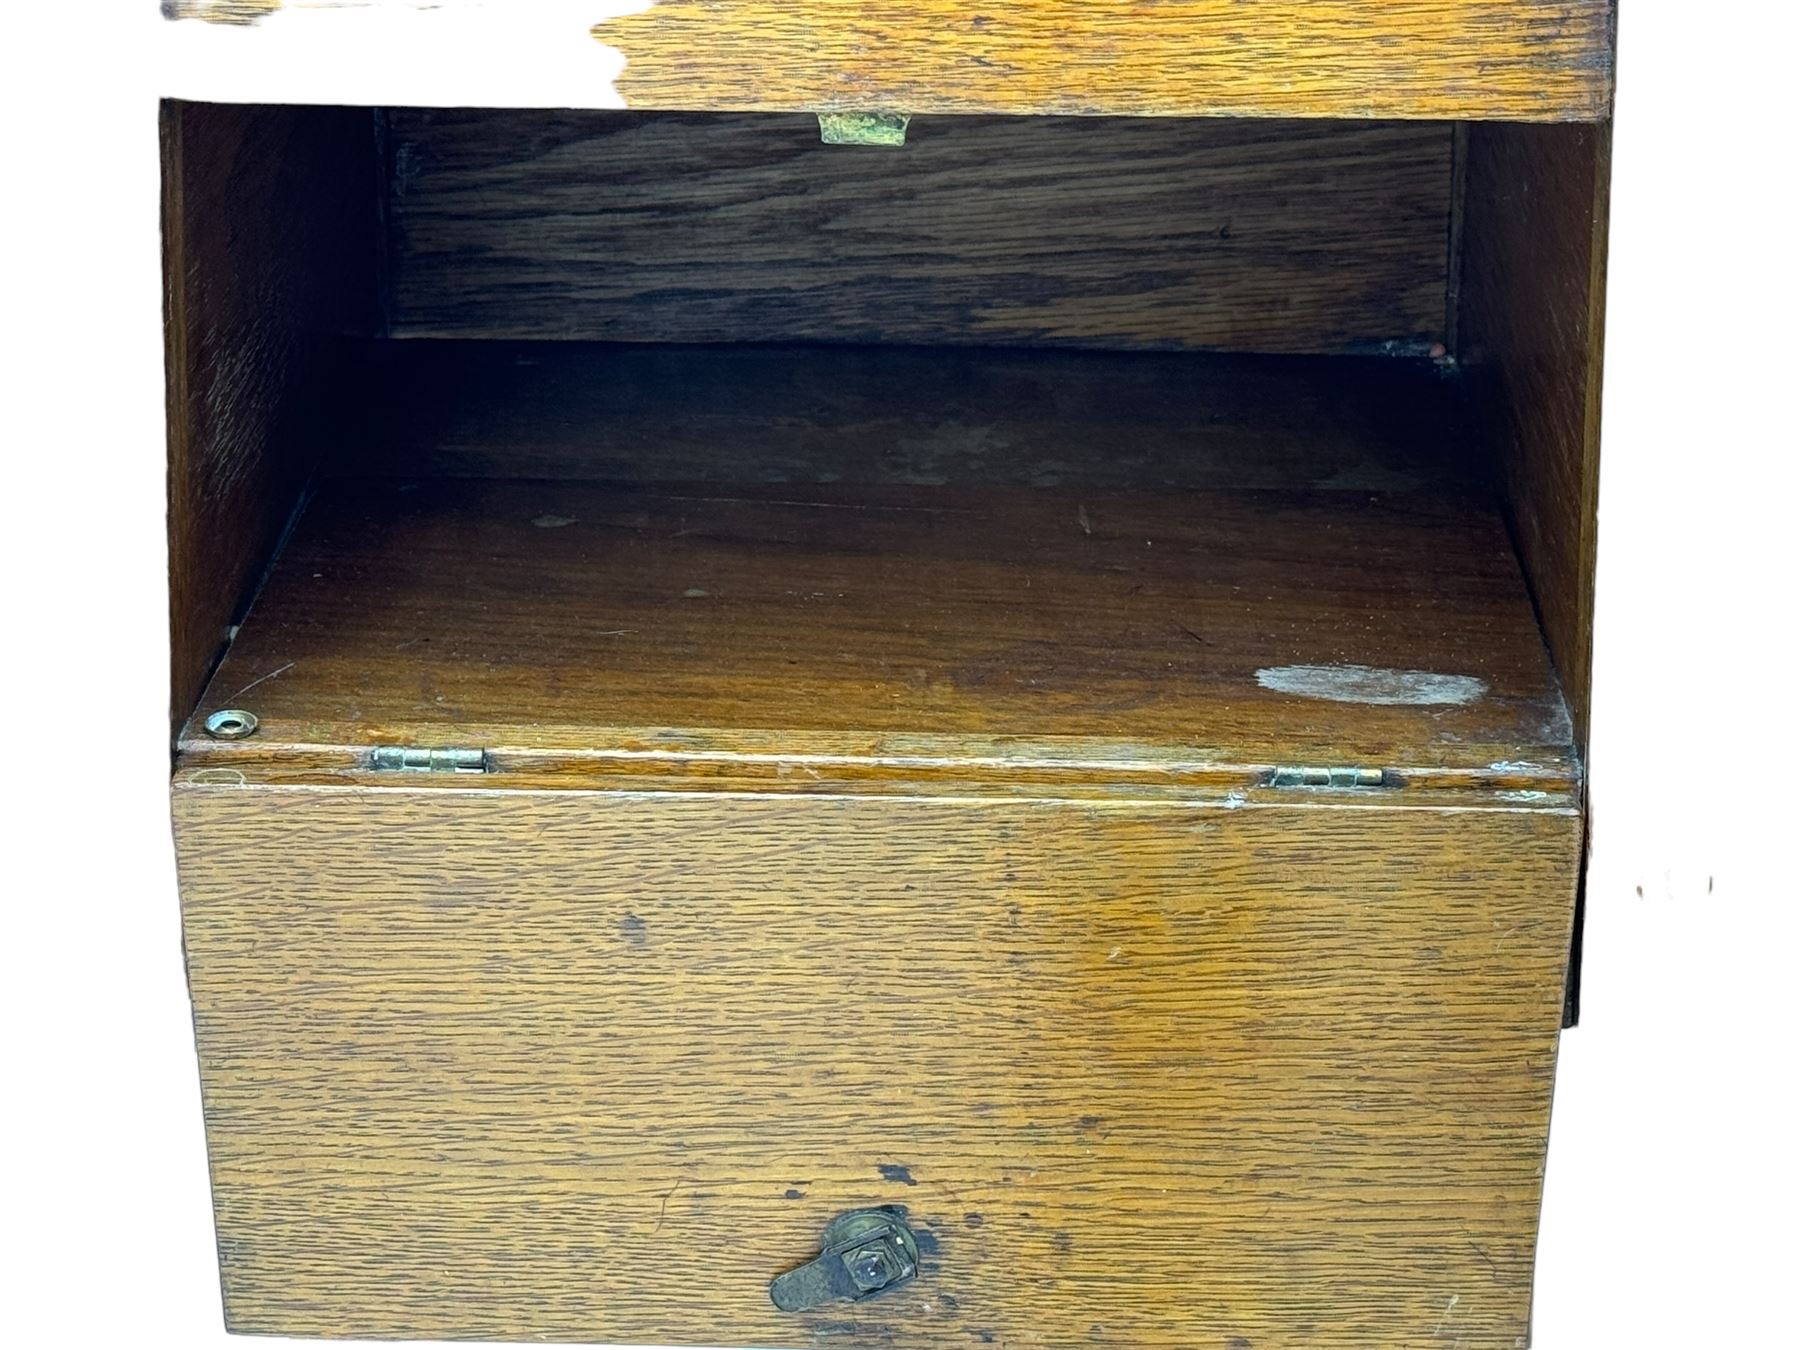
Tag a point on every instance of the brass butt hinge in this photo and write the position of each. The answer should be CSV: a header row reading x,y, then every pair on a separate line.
x,y
425,759
1306,776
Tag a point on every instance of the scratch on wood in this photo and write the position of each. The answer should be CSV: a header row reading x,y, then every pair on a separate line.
x,y
662,1214
1449,1311
279,670
1481,1251
1369,684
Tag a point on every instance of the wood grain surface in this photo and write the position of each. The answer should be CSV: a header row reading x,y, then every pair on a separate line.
x,y
562,615
1522,60
595,1066
269,232
1532,60
891,752
1532,324
1249,235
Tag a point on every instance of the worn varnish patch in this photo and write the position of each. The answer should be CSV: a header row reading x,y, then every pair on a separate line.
x,y
1368,684
220,11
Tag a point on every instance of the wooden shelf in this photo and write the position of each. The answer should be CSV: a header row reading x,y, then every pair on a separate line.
x,y
1515,60
1237,566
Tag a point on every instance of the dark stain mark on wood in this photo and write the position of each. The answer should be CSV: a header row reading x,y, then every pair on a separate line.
x,y
633,930
895,1172
793,1194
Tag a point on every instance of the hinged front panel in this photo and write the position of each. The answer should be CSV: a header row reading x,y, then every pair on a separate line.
x,y
580,1066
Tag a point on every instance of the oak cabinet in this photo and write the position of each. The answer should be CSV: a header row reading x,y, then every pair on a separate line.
x,y
1027,680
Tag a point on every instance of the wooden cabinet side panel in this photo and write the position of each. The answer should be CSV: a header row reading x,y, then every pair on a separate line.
x,y
269,246
1531,328
597,1066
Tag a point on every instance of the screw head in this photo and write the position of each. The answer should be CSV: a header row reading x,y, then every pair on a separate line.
x,y
231,724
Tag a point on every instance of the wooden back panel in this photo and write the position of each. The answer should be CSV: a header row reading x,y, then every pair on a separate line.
x,y
1246,235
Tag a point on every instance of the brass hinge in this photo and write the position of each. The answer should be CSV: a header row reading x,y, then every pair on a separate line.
x,y
1310,777
425,759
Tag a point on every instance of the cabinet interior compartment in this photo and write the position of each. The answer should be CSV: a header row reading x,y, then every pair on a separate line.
x,y
1360,348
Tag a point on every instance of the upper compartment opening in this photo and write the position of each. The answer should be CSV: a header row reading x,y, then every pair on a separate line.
x,y
1240,337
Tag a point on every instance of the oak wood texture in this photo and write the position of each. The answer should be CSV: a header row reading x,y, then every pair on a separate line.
x,y
1531,325
890,752
1534,60
269,227
1249,235
597,1066
1130,632
1521,60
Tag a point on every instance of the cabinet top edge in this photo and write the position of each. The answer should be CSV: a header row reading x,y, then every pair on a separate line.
x,y
1498,60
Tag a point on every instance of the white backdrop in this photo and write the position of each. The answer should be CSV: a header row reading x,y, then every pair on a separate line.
x,y
1671,1188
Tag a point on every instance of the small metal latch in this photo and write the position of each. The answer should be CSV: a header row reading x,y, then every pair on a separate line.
x,y
867,1252
422,759
863,128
